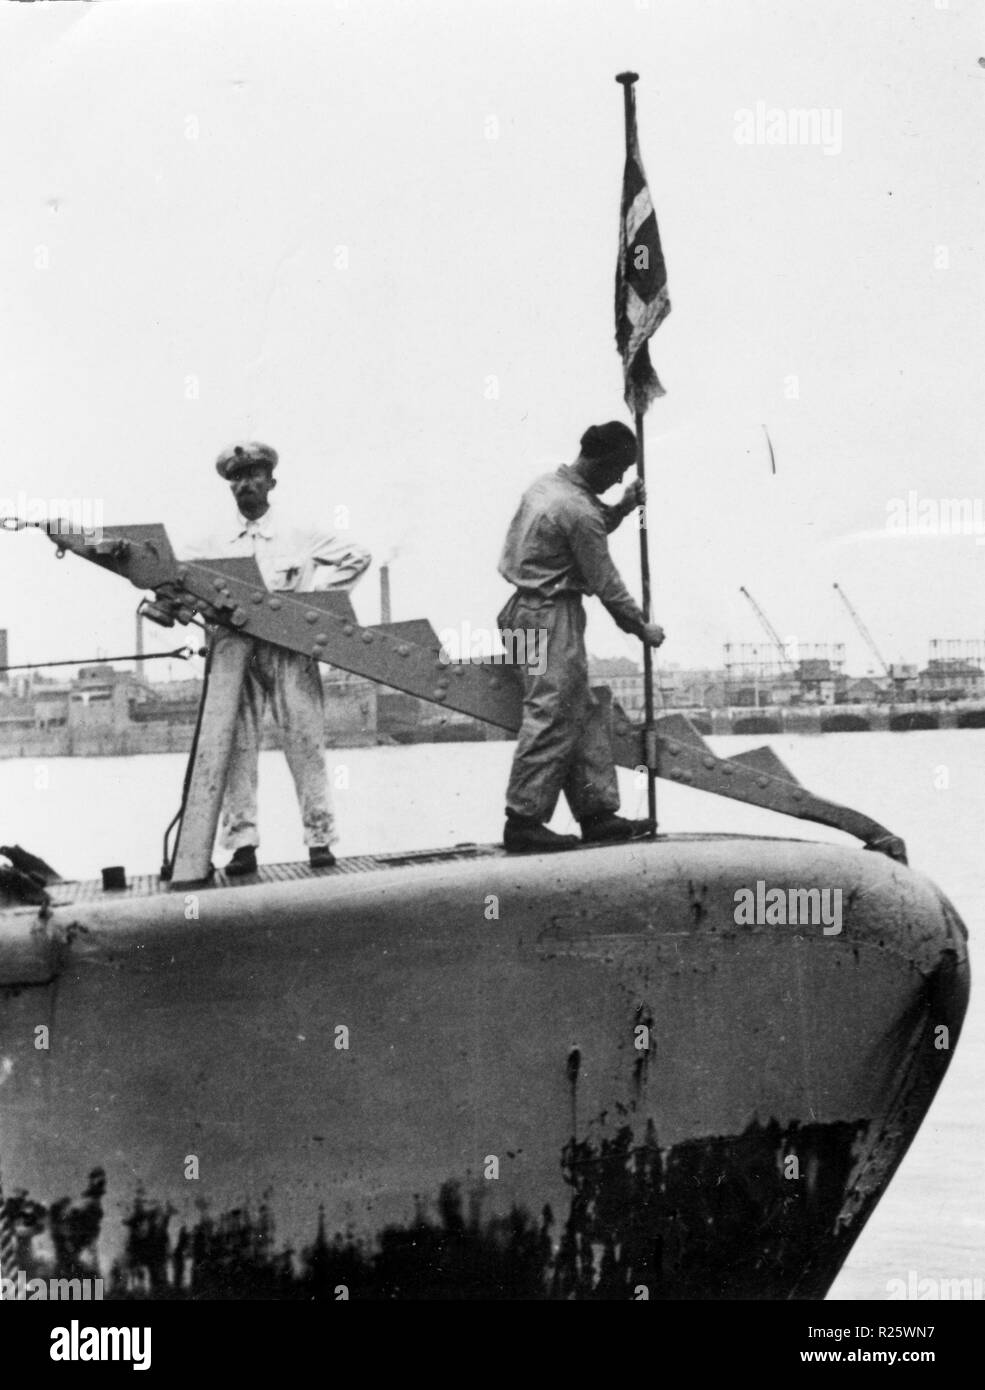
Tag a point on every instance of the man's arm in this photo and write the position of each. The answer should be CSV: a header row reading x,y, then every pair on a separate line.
x,y
587,536
611,516
333,563
633,497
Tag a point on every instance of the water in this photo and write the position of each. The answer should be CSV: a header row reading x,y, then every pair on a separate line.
x,y
81,814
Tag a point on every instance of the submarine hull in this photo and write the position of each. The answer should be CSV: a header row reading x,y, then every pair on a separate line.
x,y
601,1074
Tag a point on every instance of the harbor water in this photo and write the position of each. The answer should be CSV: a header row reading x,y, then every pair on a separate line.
x,y
82,814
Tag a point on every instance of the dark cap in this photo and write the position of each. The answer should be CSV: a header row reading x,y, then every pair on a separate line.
x,y
238,456
609,441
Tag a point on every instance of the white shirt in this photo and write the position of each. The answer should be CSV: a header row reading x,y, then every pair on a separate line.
x,y
290,557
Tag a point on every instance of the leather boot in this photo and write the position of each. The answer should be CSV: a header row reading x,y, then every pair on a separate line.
x,y
610,827
243,862
523,835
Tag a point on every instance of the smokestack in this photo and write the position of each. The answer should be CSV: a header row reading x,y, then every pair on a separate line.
x,y
3,653
140,637
385,594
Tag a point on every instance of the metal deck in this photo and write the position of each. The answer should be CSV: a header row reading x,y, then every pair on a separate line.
x,y
70,892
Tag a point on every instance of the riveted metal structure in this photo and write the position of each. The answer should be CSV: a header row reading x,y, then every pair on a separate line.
x,y
408,656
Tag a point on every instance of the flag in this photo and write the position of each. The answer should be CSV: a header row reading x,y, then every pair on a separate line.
x,y
641,277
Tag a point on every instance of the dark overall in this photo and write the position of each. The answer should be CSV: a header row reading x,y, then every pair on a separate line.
x,y
556,551
563,744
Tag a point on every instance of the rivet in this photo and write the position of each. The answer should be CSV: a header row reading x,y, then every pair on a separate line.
x,y
798,796
238,617
687,775
273,603
403,649
256,598
183,573
673,749
443,683
727,769
218,585
311,616
458,671
675,774
762,781
440,694
347,629
321,637
367,635
494,683
708,761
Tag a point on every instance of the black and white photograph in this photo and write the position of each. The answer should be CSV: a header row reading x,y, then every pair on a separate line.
x,y
492,661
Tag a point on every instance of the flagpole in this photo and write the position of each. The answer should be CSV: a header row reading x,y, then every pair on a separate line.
x,y
626,79
649,728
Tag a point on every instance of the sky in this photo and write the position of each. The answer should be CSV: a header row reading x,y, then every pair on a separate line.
x,y
381,235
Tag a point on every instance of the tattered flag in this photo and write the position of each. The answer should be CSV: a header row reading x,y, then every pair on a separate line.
x,y
641,278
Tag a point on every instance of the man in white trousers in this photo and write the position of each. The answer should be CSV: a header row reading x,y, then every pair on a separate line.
x,y
291,559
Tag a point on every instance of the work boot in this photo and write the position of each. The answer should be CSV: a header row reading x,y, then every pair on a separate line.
x,y
321,857
612,828
523,835
243,862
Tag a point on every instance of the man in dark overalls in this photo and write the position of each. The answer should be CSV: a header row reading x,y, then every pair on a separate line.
x,y
556,551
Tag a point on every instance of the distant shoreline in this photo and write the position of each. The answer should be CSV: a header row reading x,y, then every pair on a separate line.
x,y
140,741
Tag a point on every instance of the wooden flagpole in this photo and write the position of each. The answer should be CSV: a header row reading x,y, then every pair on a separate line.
x,y
649,728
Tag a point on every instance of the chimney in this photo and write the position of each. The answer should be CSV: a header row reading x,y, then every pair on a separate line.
x,y
140,638
3,653
385,594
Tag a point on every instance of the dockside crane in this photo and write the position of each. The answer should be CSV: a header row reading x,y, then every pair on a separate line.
x,y
864,632
769,629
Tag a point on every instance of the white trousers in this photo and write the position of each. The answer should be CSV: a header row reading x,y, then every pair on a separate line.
x,y
292,684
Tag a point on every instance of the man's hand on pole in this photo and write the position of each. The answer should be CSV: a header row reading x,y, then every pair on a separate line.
x,y
653,635
633,497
